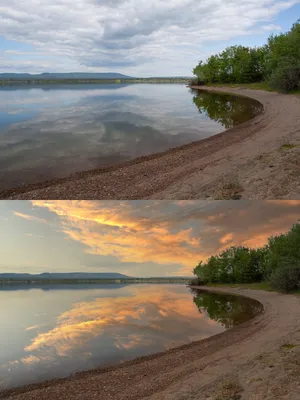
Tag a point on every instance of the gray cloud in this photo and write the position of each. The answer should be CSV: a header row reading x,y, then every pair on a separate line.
x,y
132,33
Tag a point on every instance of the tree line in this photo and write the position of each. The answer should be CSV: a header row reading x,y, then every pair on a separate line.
x,y
277,263
276,63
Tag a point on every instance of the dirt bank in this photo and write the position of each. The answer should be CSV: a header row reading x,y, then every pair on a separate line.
x,y
259,159
256,360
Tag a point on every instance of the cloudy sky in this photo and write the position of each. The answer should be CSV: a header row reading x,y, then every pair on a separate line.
x,y
137,238
136,37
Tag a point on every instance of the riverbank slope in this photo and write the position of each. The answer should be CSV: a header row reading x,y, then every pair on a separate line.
x,y
258,360
259,159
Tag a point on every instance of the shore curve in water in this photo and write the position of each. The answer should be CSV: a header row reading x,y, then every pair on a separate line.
x,y
259,359
258,159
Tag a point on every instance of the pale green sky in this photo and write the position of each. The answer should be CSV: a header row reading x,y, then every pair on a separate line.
x,y
137,238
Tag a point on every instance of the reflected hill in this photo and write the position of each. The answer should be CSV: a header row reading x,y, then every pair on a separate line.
x,y
65,86
62,286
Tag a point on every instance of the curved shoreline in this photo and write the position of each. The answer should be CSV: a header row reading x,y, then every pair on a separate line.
x,y
201,169
197,367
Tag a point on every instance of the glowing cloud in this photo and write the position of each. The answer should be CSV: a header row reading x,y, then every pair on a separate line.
x,y
109,228
149,312
170,233
30,217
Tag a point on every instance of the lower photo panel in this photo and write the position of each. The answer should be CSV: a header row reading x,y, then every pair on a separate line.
x,y
149,300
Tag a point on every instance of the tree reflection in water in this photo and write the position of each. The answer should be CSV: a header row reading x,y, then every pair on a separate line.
x,y
227,109
229,310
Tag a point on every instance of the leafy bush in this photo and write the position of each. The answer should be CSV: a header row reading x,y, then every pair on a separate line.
x,y
287,277
282,247
285,78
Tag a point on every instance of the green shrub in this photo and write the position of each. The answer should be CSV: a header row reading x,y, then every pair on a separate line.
x,y
285,78
281,249
287,277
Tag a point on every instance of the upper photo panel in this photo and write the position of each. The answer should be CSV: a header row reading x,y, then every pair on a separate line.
x,y
136,99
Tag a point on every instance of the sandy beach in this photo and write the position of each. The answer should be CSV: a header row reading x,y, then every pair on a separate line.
x,y
257,360
259,159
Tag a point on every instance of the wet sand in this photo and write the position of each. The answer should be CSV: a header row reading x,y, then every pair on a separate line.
x,y
259,159
257,360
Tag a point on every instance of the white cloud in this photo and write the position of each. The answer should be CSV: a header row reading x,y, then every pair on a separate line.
x,y
134,36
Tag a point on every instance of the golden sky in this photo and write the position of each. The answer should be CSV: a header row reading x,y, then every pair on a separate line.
x,y
137,238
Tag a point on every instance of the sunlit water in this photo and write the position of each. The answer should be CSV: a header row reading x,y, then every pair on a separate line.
x,y
52,131
49,332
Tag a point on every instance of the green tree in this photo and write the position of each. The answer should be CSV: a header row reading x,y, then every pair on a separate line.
x,y
281,249
278,62
277,262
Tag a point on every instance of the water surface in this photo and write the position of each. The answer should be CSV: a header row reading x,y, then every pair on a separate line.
x,y
54,331
51,131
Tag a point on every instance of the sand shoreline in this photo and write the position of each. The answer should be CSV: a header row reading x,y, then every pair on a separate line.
x,y
247,353
236,162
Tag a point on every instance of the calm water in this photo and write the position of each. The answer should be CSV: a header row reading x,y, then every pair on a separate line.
x,y
53,131
54,331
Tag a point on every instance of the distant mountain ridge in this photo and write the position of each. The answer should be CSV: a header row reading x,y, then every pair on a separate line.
x,y
63,275
52,276
65,75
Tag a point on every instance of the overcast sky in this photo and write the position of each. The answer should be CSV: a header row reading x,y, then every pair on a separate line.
x,y
136,37
137,238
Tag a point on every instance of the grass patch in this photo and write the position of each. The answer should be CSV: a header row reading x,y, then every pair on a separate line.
x,y
230,390
288,346
288,146
296,292
295,91
254,86
231,191
253,286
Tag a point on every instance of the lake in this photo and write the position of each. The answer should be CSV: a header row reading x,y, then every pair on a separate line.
x,y
51,131
54,331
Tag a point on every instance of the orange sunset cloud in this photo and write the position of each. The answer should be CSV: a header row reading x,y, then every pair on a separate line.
x,y
146,234
115,232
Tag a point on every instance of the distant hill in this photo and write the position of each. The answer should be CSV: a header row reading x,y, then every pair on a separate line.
x,y
66,275
67,75
168,77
